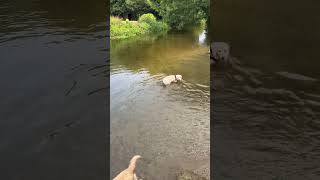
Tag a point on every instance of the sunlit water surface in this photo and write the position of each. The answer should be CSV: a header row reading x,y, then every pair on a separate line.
x,y
167,126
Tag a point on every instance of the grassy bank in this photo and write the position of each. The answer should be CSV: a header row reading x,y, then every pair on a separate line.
x,y
147,24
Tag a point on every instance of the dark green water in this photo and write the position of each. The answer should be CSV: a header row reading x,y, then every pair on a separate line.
x,y
268,112
168,126
52,107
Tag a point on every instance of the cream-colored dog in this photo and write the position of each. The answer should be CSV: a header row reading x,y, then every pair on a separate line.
x,y
129,173
172,78
219,51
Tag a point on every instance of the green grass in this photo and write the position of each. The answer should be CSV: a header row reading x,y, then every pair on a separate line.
x,y
123,29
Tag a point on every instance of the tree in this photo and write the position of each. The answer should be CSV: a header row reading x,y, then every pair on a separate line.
x,y
178,14
134,7
181,13
118,7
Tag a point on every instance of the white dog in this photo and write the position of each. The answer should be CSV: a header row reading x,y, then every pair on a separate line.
x,y
219,51
172,78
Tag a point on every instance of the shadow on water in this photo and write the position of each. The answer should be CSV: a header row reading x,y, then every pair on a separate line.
x,y
168,126
267,107
54,80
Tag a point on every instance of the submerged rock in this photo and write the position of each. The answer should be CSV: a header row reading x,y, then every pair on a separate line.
x,y
188,175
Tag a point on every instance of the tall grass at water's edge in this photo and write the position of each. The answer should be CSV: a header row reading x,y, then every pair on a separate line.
x,y
123,29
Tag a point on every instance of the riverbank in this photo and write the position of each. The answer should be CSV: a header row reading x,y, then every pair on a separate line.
x,y
146,25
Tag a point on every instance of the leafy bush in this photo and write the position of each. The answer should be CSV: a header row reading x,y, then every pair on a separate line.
x,y
155,26
159,27
148,18
122,29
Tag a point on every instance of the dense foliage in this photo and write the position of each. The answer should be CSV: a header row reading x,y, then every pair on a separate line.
x,y
147,24
148,18
135,7
178,14
155,26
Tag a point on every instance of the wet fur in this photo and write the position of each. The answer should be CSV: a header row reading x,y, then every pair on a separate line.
x,y
129,173
219,53
172,78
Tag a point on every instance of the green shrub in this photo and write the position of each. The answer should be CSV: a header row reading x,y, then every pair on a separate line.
x,y
122,29
158,27
155,26
148,18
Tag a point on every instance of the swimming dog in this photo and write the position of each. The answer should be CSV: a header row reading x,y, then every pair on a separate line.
x,y
172,78
219,51
129,173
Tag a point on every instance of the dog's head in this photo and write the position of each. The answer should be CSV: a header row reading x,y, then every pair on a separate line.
x,y
220,51
179,77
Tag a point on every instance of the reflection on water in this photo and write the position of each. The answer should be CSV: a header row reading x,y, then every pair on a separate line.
x,y
168,126
267,108
52,108
202,37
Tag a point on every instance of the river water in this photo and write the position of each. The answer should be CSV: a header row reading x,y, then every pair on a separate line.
x,y
168,126
266,110
53,113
